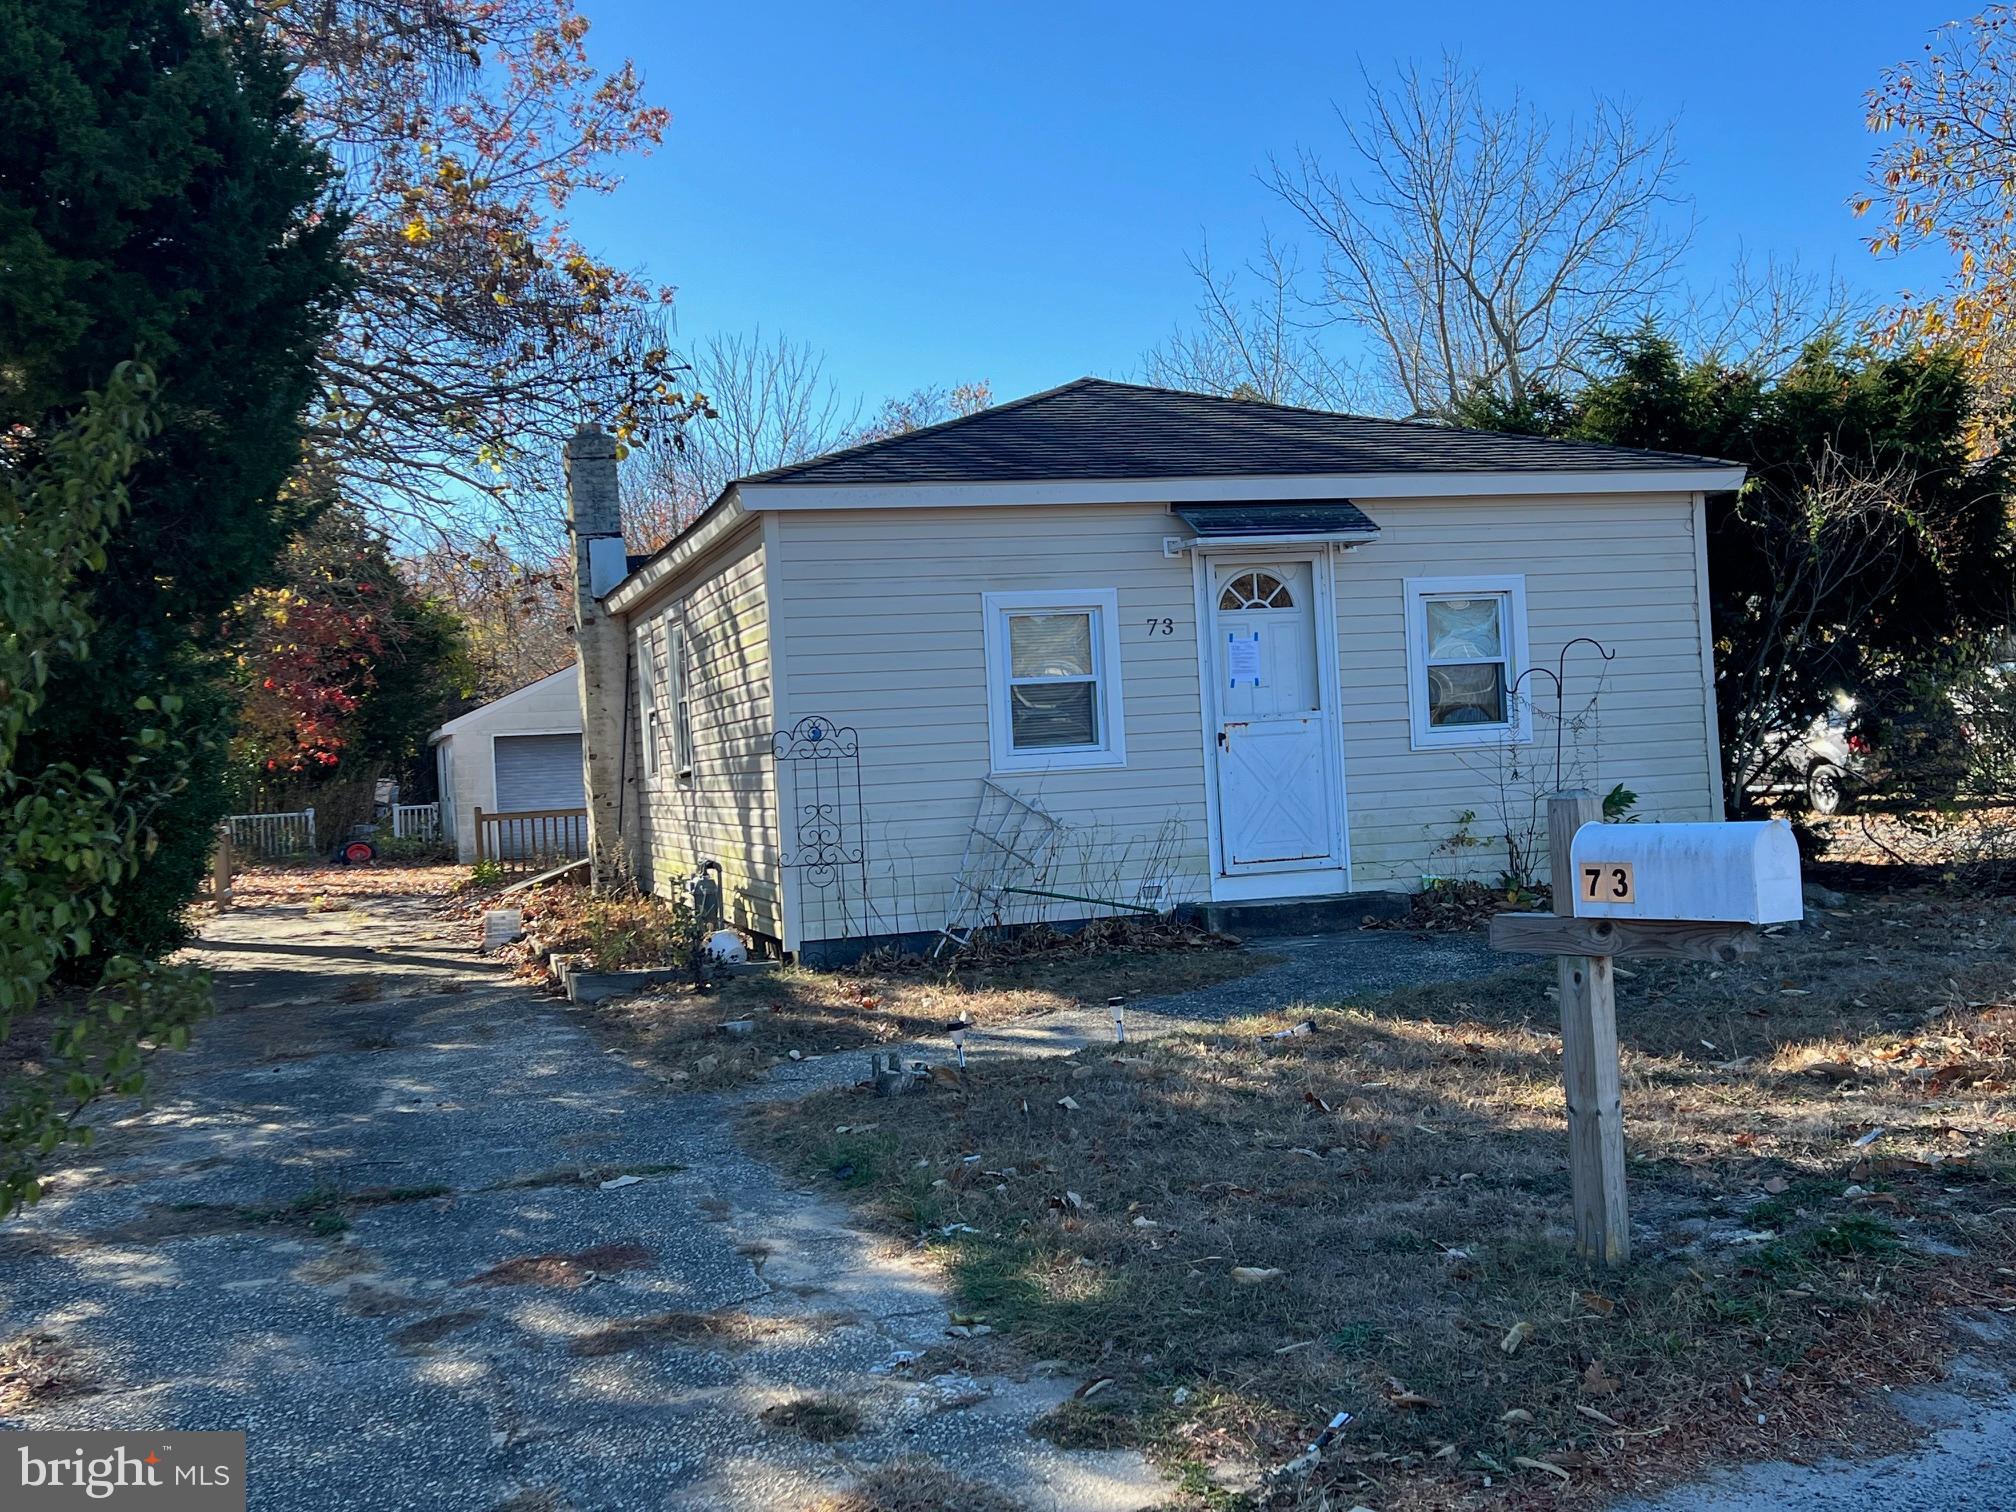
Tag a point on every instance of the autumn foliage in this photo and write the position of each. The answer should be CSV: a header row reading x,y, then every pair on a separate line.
x,y
1946,177
343,663
483,330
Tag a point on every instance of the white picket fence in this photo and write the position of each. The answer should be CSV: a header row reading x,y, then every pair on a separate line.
x,y
416,821
269,836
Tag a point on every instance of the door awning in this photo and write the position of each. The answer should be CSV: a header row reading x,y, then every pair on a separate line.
x,y
1289,520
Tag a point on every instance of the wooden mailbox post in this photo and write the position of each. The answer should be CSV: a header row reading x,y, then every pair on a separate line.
x,y
1696,892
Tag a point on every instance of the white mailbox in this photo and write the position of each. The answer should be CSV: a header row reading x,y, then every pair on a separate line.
x,y
1744,873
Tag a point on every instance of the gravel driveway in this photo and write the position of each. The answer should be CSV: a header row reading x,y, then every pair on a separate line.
x,y
364,1220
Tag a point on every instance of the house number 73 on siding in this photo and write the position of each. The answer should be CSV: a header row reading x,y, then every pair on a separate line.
x,y
1609,882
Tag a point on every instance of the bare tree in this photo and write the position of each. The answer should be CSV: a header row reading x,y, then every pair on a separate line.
x,y
768,403
1765,314
933,404
1479,244
1256,346
480,330
517,614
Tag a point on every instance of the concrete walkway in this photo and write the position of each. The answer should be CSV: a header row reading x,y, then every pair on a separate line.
x,y
302,1237
1308,971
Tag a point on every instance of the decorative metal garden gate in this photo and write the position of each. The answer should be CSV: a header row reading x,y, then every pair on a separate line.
x,y
819,782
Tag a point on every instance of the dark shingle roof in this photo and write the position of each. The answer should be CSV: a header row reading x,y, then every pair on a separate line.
x,y
1097,429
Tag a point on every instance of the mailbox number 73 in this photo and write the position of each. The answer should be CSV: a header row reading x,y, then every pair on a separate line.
x,y
1609,882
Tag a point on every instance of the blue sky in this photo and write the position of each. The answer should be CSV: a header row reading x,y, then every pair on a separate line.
x,y
943,193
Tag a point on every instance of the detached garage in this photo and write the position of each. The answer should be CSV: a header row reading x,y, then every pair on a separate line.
x,y
519,754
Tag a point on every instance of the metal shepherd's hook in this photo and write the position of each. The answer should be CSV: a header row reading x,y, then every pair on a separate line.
x,y
1559,673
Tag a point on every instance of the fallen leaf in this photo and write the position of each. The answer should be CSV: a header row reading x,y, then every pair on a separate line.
x,y
1399,1395
1599,1304
1068,1104
1777,1186
1599,1382
1315,1102
1599,1417
1518,1334
1255,1275
1515,1415
1092,1388
1525,1463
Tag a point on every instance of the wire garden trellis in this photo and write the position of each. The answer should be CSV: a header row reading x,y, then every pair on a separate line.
x,y
1516,767
819,769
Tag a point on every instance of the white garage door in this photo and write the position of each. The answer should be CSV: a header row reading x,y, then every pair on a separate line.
x,y
539,772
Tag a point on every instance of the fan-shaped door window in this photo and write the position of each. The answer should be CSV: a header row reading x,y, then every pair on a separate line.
x,y
1256,590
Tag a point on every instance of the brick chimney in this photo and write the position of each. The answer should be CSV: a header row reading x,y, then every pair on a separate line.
x,y
594,519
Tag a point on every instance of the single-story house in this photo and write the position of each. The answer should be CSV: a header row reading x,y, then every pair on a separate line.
x,y
1112,647
516,753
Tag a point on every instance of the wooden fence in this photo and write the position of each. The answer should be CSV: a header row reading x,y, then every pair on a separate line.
x,y
531,839
269,836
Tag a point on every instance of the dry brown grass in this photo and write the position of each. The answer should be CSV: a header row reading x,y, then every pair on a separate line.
x,y
35,1369
819,1012
915,1486
822,1419
566,1270
1403,1169
728,1330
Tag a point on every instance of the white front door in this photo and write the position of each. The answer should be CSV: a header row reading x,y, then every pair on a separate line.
x,y
1277,768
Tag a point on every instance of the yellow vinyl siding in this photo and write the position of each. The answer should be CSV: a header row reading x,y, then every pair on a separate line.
x,y
879,626
727,809
1620,569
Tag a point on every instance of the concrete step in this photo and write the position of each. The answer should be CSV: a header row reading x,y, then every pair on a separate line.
x,y
1331,913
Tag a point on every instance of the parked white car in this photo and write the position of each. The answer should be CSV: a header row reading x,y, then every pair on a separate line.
x,y
1825,764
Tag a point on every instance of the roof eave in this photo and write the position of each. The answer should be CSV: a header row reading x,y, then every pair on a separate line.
x,y
712,525
756,497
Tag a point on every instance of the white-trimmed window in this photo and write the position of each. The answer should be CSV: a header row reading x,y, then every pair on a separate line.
x,y
650,678
679,701
1466,646
663,685
1053,680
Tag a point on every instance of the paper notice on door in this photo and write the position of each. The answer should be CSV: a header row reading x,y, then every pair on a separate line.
x,y
1242,658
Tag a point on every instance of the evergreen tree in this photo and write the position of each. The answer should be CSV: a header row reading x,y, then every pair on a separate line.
x,y
158,200
1867,544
